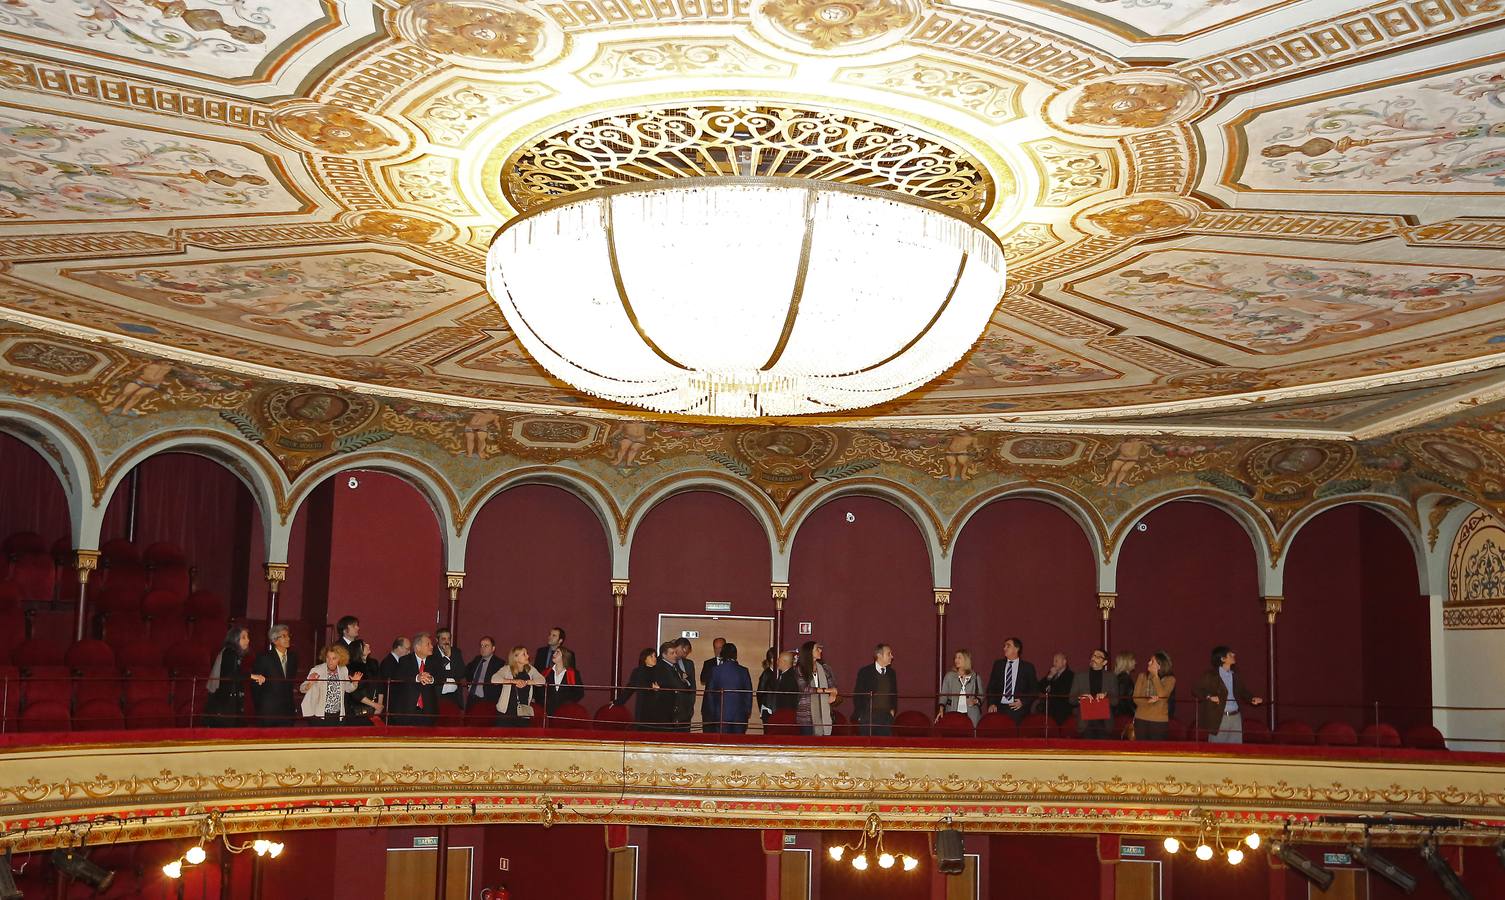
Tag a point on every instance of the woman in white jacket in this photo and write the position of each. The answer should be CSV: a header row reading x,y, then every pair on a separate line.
x,y
325,687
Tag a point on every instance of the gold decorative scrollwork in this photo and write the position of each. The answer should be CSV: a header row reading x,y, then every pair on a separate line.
x,y
643,145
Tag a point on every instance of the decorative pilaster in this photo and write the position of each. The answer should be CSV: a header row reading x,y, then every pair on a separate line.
x,y
780,591
85,562
1106,603
276,574
1273,607
618,598
454,582
942,600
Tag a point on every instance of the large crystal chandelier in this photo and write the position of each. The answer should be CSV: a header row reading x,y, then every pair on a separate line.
x,y
679,288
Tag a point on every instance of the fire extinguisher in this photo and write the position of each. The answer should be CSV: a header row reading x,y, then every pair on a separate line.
x,y
497,893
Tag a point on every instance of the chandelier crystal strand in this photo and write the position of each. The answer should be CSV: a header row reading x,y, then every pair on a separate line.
x,y
745,297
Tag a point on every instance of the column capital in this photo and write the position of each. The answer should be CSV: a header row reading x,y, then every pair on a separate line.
x,y
86,562
1107,602
276,573
453,582
942,596
1273,606
780,590
619,590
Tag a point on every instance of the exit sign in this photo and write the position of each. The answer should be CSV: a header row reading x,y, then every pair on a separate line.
x,y
718,606
419,842
1131,851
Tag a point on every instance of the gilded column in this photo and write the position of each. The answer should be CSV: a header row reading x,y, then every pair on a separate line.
x,y
85,562
618,598
453,582
1272,612
942,600
780,594
276,574
1106,602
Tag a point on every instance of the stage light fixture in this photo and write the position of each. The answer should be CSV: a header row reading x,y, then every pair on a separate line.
x,y
1321,877
885,860
173,869
859,862
837,852
1172,845
1204,852
77,866
274,849
195,855
1252,840
8,889
1235,856
1445,875
949,851
1383,867
910,863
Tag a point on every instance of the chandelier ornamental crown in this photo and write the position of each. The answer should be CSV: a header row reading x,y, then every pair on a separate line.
x,y
740,261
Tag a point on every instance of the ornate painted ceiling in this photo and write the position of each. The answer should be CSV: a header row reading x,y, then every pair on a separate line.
x,y
1221,216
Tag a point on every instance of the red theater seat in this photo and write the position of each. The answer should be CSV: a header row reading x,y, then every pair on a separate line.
x,y
997,726
137,654
163,553
480,714
98,715
614,718
1295,733
1256,731
49,683
35,575
97,686
128,629
1379,735
450,716
89,654
126,575
39,652
1039,725
912,723
56,625
147,683
189,658
118,550
571,716
1425,737
205,605
24,542
12,632
10,595
781,722
46,715
172,577
149,714
117,600
161,604
955,725
1337,734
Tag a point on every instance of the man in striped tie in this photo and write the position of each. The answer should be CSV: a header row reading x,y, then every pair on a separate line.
x,y
1012,685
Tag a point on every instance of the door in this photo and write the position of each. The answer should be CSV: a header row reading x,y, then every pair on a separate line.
x,y
752,635
410,873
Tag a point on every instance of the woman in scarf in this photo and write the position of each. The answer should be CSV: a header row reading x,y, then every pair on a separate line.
x,y
519,680
817,691
652,709
226,706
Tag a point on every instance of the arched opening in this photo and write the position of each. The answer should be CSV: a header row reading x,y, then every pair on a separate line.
x,y
1354,640
364,543
34,500
1023,567
859,573
1187,582
691,548
537,558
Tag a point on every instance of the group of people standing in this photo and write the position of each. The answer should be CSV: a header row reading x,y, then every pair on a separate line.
x,y
423,672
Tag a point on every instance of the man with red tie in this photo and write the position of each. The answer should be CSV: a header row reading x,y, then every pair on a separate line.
x,y
415,698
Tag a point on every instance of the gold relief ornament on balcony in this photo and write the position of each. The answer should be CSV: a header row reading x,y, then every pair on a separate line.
x,y
323,128
836,26
491,34
1125,103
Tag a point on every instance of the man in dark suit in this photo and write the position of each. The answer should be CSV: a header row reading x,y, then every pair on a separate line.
x,y
1012,685
450,668
275,695
682,676
386,671
875,695
542,657
348,629
706,669
479,688
415,695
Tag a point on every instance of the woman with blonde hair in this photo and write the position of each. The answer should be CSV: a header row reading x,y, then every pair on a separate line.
x,y
1123,672
324,704
520,683
1152,693
960,690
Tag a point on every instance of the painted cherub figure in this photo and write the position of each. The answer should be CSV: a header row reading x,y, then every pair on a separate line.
x,y
147,382
478,432
1128,457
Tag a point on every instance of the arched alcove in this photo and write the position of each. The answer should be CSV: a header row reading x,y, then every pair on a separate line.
x,y
689,548
1023,567
198,504
33,497
1354,629
1188,582
537,557
860,581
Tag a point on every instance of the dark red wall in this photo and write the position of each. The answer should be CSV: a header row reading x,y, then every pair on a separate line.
x,y
727,863
1023,568
31,497
1396,627
565,861
862,582
1185,585
1029,865
537,558
690,548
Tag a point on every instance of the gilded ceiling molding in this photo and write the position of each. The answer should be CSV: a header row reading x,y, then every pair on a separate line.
x,y
1244,512
211,444
433,486
1073,504
596,494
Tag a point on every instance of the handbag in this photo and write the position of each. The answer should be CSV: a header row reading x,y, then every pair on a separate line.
x,y
1095,710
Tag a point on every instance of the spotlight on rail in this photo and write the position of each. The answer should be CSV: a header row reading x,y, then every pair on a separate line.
x,y
1321,877
1445,875
77,866
1383,867
8,889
